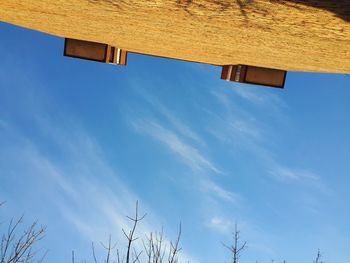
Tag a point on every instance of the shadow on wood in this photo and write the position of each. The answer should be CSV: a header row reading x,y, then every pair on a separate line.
x,y
341,8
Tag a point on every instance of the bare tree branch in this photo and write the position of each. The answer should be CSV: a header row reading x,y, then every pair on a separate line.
x,y
15,249
318,257
236,249
154,247
130,236
174,249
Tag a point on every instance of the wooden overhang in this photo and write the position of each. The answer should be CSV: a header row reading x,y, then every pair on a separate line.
x,y
293,35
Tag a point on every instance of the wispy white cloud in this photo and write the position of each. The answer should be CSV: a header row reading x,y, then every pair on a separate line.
x,y
259,96
303,177
285,174
222,225
84,187
239,128
234,124
213,188
190,155
179,125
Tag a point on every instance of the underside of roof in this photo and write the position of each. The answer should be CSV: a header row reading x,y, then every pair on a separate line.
x,y
294,35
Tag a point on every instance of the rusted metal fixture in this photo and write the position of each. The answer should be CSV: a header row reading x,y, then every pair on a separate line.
x,y
94,51
254,75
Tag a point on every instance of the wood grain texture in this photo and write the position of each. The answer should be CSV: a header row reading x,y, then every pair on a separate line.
x,y
294,35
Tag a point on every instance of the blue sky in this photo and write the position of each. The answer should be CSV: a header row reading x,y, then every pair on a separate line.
x,y
80,142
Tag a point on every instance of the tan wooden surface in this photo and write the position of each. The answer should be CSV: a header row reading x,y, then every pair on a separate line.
x,y
289,35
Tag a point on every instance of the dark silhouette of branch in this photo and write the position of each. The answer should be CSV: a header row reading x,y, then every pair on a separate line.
x,y
174,248
17,246
318,257
130,237
236,249
93,252
154,247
